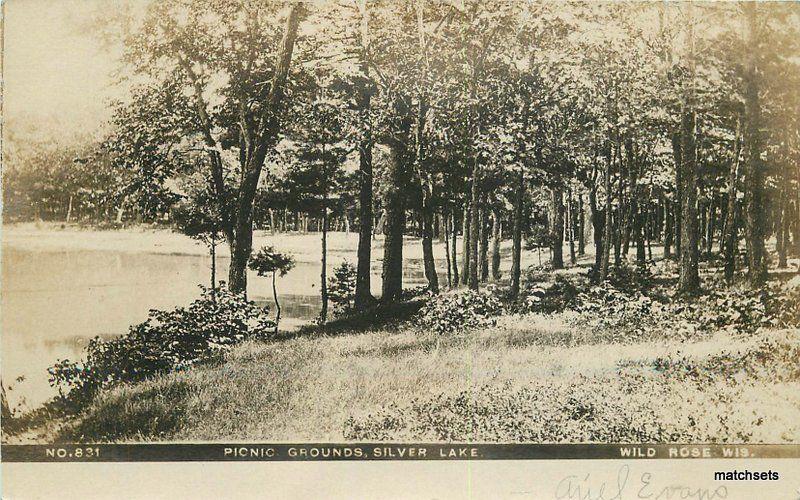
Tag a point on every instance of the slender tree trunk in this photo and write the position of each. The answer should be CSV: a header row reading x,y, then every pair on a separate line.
x,y
484,243
516,252
607,219
581,226
641,229
212,247
429,264
496,235
474,229
445,221
323,314
277,304
754,170
689,278
465,244
710,226
677,155
427,209
571,227
454,256
649,217
730,239
557,233
669,222
782,236
598,225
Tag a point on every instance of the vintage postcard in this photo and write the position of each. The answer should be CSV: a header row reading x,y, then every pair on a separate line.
x,y
513,248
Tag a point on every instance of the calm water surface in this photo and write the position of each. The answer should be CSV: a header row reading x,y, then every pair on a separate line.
x,y
53,302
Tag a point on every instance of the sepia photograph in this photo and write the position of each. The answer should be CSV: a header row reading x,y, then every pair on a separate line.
x,y
401,229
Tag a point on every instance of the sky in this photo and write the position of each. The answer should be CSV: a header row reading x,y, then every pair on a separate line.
x,y
56,74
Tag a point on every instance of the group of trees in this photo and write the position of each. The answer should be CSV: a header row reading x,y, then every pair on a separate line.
x,y
638,123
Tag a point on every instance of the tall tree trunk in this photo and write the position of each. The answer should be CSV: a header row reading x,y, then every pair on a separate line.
x,y
394,198
606,240
429,264
689,278
212,248
557,228
516,252
730,239
581,226
649,234
571,226
484,243
427,209
669,222
598,225
267,134
496,235
323,314
711,226
677,156
454,251
474,228
754,170
465,244
782,236
641,229
445,222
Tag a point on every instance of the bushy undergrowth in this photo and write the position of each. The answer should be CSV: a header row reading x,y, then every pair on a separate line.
x,y
166,341
631,314
459,311
342,288
634,304
547,296
653,402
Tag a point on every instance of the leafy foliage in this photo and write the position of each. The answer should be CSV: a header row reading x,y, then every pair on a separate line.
x,y
460,311
166,341
342,288
267,261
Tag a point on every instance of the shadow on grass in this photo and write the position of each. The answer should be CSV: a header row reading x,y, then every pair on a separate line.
x,y
389,316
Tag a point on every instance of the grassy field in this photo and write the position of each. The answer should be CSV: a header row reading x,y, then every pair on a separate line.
x,y
528,378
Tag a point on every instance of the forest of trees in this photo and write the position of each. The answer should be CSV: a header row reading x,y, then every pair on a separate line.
x,y
612,126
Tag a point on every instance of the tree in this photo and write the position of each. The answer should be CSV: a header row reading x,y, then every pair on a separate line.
x,y
198,217
196,46
267,261
753,167
318,153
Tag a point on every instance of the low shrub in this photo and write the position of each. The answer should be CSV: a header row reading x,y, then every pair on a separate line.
x,y
615,313
455,312
342,288
547,297
631,277
166,341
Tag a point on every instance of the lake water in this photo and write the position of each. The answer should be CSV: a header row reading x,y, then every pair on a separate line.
x,y
54,301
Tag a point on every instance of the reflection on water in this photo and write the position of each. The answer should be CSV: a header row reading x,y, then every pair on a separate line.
x,y
53,302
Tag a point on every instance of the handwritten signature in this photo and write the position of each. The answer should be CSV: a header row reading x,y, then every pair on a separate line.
x,y
584,487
